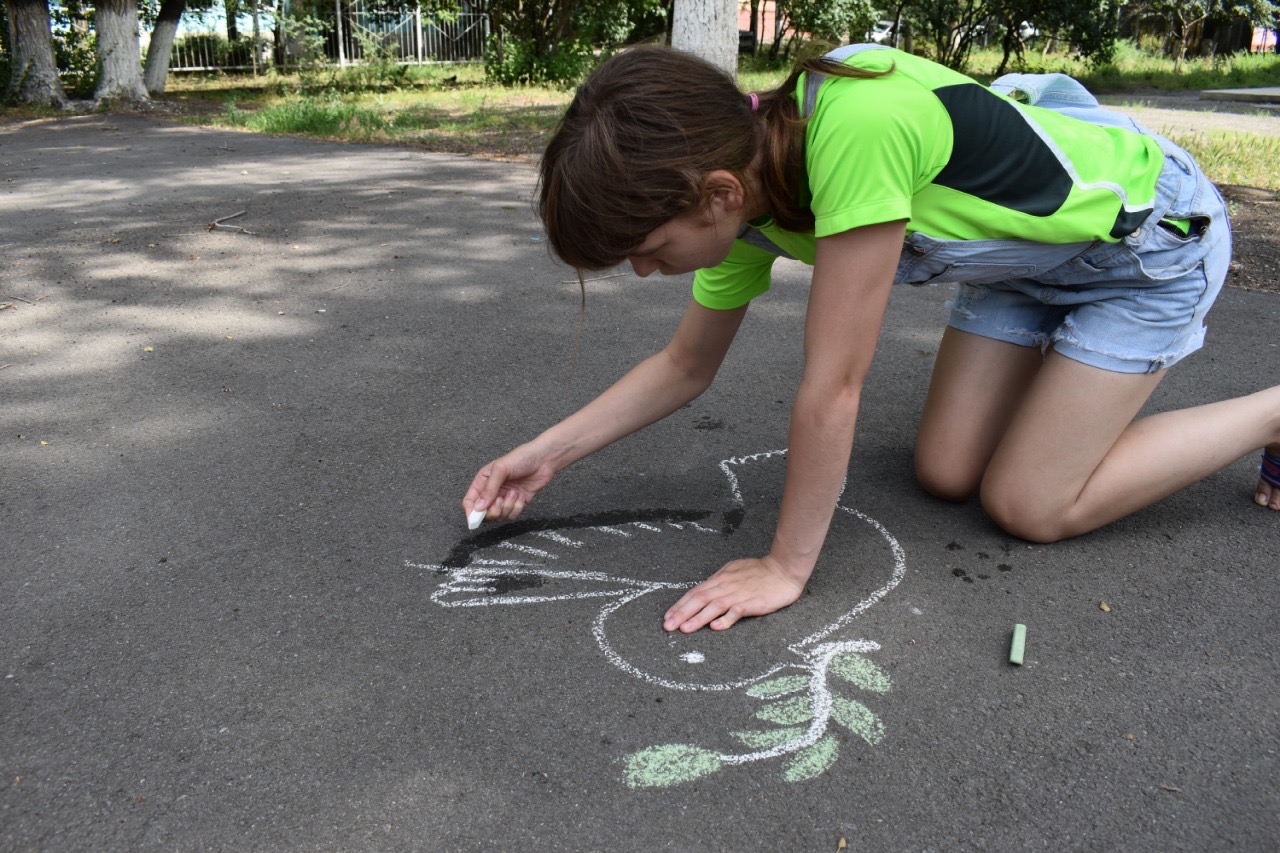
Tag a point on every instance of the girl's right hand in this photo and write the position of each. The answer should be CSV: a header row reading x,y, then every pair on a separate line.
x,y
506,485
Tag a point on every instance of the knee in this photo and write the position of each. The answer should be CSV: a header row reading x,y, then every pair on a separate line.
x,y
948,482
1025,515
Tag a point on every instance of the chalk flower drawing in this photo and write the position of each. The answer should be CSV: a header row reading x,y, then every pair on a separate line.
x,y
799,681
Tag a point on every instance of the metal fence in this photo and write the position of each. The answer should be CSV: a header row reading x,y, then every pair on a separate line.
x,y
410,37
202,43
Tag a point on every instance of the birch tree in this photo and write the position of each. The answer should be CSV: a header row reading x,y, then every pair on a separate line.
x,y
119,53
33,71
156,73
709,29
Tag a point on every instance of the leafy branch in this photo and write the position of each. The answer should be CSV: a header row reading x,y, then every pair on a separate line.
x,y
800,705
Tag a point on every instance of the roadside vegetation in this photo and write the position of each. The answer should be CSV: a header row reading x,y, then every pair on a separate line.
x,y
456,108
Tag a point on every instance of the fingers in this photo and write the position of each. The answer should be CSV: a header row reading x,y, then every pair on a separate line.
x,y
483,489
740,589
493,493
698,609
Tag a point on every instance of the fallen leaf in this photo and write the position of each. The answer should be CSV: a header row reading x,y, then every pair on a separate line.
x,y
843,845
1104,607
44,443
148,349
1171,788
1128,735
230,338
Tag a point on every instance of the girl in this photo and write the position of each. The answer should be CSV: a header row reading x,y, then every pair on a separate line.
x,y
1086,251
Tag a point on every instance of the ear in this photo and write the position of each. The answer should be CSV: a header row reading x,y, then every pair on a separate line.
x,y
724,189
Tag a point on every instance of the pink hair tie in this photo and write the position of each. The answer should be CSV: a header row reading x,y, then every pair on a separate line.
x,y
755,101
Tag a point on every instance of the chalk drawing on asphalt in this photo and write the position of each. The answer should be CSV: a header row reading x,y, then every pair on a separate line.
x,y
802,679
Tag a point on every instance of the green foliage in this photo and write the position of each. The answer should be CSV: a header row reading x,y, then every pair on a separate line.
x,y
607,23
6,49
832,20
75,45
379,69
1090,27
1180,21
554,42
305,37
518,61
948,29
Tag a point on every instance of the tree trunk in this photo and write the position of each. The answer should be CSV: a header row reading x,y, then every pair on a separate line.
x,y
33,72
709,29
156,73
120,69
232,8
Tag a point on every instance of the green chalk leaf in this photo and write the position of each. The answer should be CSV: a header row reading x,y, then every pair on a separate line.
x,y
858,719
860,672
770,738
789,712
813,760
778,686
669,764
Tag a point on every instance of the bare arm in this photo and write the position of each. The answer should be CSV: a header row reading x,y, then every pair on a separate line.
x,y
650,391
852,278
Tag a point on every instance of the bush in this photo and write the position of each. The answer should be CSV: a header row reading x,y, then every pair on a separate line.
x,y
512,62
75,48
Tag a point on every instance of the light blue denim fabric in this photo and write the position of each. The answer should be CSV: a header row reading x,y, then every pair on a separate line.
x,y
1136,306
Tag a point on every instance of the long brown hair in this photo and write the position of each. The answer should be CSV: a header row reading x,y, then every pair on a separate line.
x,y
643,131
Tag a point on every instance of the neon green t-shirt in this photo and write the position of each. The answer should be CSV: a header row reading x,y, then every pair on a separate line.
x,y
954,159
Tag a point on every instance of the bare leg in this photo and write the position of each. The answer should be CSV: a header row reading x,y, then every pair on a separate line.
x,y
1072,458
976,387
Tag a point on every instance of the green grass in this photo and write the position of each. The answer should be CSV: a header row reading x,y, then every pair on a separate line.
x,y
1246,159
448,108
453,108
1134,70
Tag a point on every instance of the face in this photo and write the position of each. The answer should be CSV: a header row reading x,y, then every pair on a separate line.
x,y
691,242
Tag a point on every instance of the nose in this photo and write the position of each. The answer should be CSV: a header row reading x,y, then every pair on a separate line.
x,y
643,267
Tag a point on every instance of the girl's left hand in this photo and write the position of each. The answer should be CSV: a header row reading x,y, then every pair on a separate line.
x,y
751,587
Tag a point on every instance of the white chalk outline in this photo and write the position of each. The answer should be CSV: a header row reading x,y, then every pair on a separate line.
x,y
482,576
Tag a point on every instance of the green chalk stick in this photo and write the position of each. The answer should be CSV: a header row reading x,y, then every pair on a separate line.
x,y
1019,642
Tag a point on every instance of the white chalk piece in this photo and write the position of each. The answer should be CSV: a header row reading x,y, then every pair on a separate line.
x,y
474,518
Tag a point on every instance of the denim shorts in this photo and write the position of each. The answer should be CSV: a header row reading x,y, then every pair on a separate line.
x,y
1136,306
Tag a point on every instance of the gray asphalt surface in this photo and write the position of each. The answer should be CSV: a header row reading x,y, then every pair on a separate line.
x,y
240,608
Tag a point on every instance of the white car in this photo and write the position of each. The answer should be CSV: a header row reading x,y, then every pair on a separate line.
x,y
880,32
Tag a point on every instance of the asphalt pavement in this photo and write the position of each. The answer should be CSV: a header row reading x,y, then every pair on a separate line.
x,y
244,381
